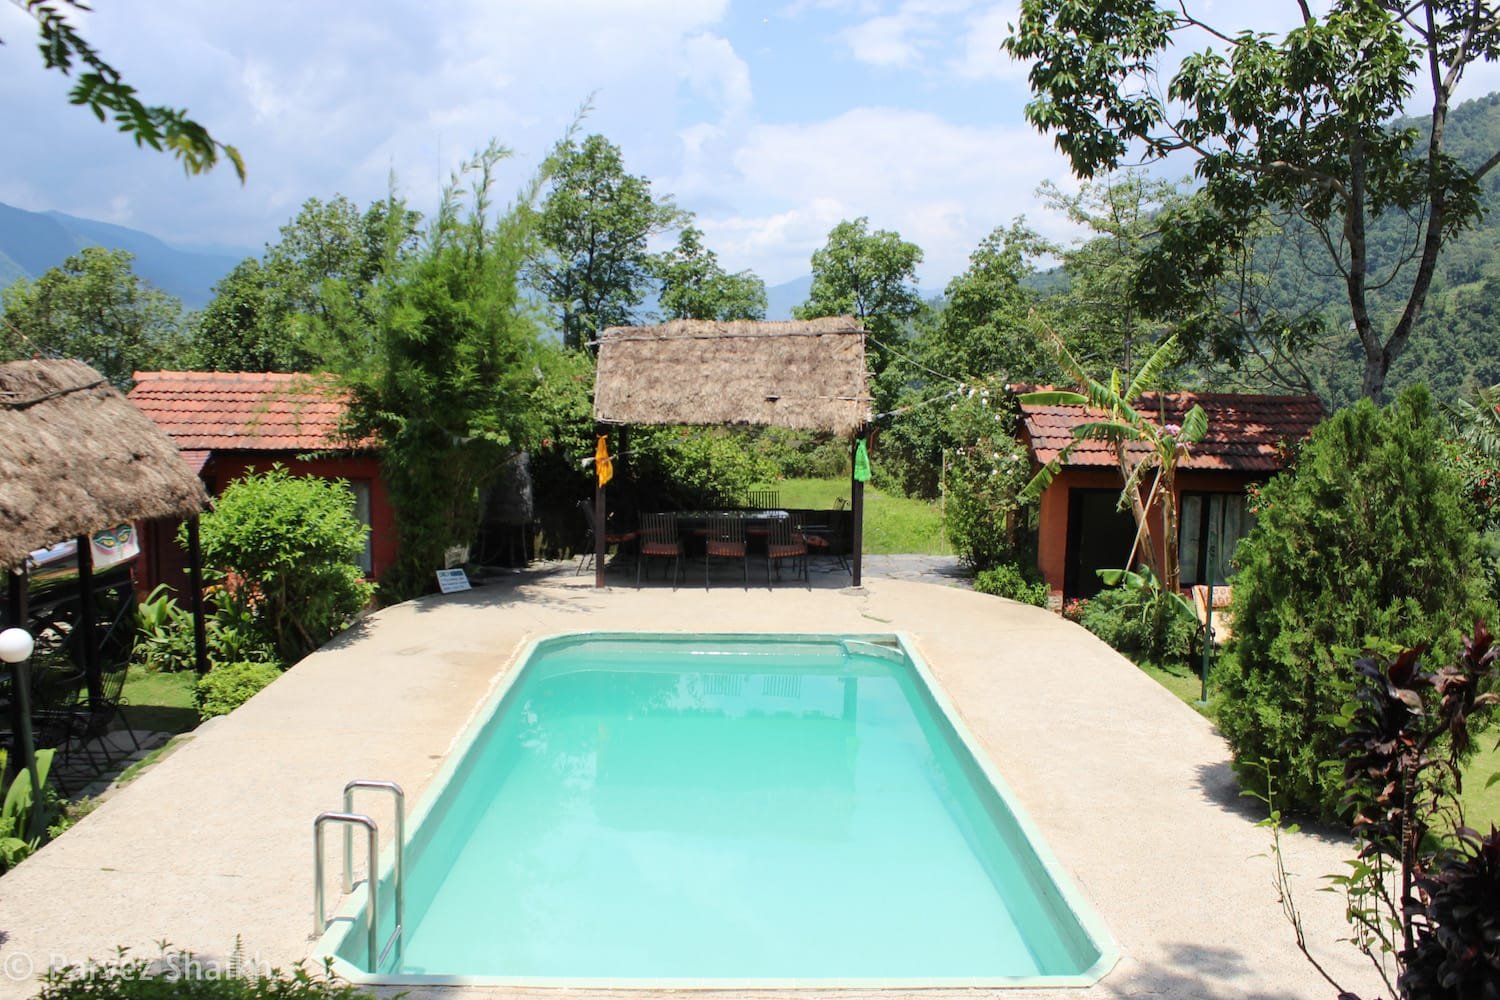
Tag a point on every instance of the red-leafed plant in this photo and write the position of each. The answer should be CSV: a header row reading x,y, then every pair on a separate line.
x,y
1423,892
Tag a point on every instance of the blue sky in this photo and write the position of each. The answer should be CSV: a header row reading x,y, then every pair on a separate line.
x,y
771,121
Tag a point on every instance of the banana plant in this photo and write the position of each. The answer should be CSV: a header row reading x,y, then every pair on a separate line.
x,y
1477,421
1120,424
23,810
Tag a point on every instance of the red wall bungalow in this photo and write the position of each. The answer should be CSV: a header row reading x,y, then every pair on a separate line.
x,y
1081,530
226,424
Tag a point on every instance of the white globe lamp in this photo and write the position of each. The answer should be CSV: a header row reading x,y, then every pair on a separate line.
x,y
15,645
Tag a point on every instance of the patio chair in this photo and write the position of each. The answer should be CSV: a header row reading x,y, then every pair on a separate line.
x,y
785,543
616,538
765,499
93,720
826,539
658,539
725,540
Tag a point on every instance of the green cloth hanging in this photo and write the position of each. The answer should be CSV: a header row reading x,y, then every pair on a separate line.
x,y
861,462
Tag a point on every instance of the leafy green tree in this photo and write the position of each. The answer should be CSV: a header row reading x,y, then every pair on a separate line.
x,y
694,286
981,338
311,301
448,385
294,542
247,327
1368,535
1103,323
983,329
870,276
94,308
102,90
593,263
1296,123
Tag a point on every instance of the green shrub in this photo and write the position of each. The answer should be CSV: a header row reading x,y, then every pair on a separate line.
x,y
291,543
164,632
180,975
1141,620
229,685
1011,581
798,454
695,467
1368,537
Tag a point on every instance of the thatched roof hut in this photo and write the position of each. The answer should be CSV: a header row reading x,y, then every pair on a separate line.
x,y
803,374
76,456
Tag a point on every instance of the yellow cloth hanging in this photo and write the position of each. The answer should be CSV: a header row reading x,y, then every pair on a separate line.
x,y
603,464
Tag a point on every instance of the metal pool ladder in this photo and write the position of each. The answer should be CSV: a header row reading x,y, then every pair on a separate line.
x,y
349,819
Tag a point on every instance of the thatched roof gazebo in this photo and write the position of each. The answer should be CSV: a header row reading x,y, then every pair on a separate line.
x,y
76,457
801,374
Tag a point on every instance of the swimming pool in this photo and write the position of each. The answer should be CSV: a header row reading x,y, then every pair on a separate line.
x,y
726,810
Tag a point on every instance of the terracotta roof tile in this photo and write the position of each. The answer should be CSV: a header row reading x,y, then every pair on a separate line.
x,y
1244,431
243,411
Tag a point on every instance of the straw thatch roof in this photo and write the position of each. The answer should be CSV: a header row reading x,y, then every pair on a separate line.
x,y
804,374
76,456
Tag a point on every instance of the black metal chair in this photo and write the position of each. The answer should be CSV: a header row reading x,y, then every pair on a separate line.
x,y
658,539
621,539
765,499
827,539
786,543
725,540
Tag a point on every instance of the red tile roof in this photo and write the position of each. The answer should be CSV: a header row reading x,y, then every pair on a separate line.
x,y
1244,432
242,411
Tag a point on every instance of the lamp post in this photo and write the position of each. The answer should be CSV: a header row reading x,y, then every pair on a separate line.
x,y
15,648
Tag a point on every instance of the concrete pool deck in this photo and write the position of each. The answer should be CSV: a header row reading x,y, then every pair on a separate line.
x,y
1130,788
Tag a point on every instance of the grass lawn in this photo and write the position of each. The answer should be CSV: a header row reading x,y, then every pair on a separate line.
x,y
1482,805
1177,679
161,702
893,525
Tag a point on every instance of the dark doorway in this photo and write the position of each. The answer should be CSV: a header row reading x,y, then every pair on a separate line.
x,y
1099,537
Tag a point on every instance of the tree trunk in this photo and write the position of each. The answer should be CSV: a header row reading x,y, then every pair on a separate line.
x,y
1138,509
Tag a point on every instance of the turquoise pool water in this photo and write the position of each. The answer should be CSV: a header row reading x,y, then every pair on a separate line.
x,y
727,808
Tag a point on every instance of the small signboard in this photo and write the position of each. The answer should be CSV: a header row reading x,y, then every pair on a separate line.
x,y
451,581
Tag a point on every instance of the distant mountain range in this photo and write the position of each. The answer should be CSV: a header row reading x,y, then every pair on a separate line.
x,y
32,242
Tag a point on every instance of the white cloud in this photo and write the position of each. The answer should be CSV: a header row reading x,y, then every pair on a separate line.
x,y
939,185
712,67
905,38
980,57
884,41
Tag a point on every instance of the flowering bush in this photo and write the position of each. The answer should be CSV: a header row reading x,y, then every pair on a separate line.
x,y
982,512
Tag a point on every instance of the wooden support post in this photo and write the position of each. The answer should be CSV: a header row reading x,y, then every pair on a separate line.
x,y
857,511
86,625
601,547
16,614
20,677
195,584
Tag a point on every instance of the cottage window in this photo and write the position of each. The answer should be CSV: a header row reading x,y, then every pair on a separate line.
x,y
361,490
1226,516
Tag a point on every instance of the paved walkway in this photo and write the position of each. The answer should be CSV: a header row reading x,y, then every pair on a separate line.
x,y
1130,787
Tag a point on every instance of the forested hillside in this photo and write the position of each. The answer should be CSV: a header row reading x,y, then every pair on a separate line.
x,y
1456,346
